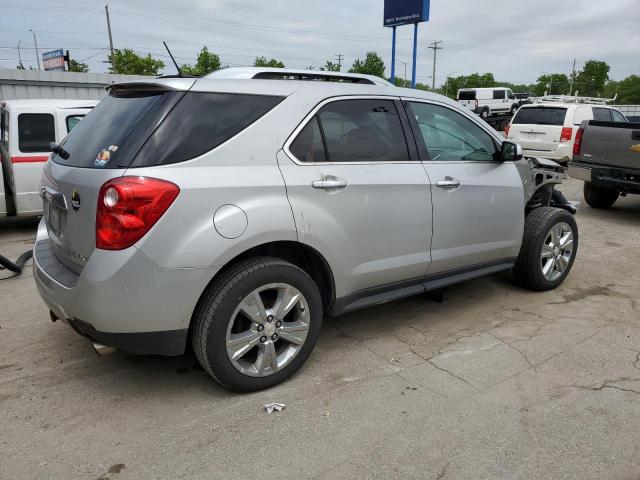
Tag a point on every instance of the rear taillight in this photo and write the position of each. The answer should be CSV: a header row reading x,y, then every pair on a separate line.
x,y
567,134
506,130
128,207
577,145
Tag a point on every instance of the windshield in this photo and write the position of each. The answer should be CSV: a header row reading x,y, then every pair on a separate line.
x,y
540,116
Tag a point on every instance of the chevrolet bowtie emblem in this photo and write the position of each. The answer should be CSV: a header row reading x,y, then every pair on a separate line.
x,y
635,148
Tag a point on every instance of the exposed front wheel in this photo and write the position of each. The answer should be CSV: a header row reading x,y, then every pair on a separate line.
x,y
548,249
257,324
599,197
514,109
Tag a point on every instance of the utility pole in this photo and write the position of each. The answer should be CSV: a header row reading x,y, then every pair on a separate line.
x,y
573,77
435,46
113,58
19,55
339,58
36,44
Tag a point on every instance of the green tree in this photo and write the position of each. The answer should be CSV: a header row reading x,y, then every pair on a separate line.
x,y
591,80
628,90
129,62
75,66
552,84
263,62
206,63
330,67
371,65
475,80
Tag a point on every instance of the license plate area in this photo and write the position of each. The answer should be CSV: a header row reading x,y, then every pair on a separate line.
x,y
53,218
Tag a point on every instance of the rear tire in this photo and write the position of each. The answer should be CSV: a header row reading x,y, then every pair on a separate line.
x,y
599,197
514,109
549,248
251,351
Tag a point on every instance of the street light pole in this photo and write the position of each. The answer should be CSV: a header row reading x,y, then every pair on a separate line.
x,y
19,55
36,44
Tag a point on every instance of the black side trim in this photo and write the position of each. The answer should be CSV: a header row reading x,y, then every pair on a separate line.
x,y
170,343
396,291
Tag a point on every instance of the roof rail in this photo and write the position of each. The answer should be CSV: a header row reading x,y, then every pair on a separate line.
x,y
267,73
574,99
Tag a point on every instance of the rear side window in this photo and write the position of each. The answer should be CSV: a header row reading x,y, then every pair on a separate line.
x,y
467,95
308,145
363,131
35,132
602,114
201,122
540,116
499,94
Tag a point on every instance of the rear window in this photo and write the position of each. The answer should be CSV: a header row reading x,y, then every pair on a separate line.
x,y
35,132
468,95
136,129
4,127
540,116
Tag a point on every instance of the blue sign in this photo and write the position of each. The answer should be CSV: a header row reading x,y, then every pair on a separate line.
x,y
53,60
404,12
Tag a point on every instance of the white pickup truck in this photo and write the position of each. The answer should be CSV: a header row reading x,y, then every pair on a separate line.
x,y
26,129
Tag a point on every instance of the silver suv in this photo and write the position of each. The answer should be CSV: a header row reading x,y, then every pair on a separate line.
x,y
234,214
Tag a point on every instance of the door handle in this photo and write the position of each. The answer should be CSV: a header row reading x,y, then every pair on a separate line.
x,y
449,183
329,183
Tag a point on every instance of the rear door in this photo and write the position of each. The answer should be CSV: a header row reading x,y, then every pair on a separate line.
x,y
34,131
359,192
468,98
478,201
538,128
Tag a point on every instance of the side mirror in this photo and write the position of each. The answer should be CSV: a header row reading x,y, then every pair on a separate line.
x,y
511,152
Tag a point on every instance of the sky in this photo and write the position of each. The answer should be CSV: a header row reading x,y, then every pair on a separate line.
x,y
516,40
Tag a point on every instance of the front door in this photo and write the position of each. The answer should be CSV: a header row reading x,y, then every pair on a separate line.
x,y
478,201
358,196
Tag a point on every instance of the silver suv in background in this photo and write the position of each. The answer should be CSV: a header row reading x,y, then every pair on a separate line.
x,y
235,214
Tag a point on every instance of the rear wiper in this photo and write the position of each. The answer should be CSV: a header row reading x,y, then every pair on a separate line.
x,y
55,148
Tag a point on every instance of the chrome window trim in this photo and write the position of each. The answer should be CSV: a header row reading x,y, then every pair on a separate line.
x,y
312,114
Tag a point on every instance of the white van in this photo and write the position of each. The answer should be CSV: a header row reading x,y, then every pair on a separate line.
x,y
489,101
548,130
26,129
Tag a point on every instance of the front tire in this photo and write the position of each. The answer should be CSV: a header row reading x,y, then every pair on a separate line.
x,y
599,197
257,324
549,248
484,114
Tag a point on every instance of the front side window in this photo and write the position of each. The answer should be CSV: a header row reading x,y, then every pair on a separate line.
x,y
618,117
450,136
367,130
35,132
72,121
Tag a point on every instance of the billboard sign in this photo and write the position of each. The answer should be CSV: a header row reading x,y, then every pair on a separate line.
x,y
53,60
405,12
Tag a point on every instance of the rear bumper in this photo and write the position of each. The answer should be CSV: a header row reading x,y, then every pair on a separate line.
x,y
562,154
121,299
622,179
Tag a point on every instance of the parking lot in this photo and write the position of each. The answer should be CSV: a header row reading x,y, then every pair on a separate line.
x,y
496,382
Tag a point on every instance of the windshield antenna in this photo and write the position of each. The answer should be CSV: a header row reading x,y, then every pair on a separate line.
x,y
174,60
